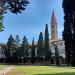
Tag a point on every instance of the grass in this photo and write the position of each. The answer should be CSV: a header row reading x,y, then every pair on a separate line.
x,y
2,66
42,70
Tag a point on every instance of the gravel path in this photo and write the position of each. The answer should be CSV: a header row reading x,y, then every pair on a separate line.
x,y
7,69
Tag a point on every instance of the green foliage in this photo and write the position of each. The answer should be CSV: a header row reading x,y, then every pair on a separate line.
x,y
40,45
7,52
10,47
69,30
17,46
2,11
47,44
17,40
24,47
33,52
1,23
14,50
15,6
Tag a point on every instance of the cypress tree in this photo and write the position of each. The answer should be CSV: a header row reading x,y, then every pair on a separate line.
x,y
69,30
9,51
47,45
17,47
10,45
24,50
33,52
72,20
40,46
17,41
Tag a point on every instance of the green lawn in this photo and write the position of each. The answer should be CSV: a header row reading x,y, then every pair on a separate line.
x,y
42,70
2,66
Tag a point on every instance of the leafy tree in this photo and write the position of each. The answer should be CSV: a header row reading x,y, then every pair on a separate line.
x,y
33,52
2,11
1,23
15,6
40,46
56,55
47,45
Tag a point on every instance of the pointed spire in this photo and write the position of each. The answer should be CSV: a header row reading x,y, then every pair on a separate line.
x,y
53,19
54,34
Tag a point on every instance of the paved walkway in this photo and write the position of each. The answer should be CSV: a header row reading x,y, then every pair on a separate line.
x,y
7,69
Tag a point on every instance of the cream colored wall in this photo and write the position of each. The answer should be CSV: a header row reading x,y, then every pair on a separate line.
x,y
61,48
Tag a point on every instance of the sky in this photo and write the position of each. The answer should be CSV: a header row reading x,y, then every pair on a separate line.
x,y
33,20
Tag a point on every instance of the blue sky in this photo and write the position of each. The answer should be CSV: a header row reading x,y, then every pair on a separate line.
x,y
33,20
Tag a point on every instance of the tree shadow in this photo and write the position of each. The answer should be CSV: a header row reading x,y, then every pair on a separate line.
x,y
64,73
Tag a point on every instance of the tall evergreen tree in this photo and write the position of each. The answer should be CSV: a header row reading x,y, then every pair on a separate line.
x,y
24,45
47,45
72,20
17,41
40,46
69,30
17,48
33,52
10,45
9,51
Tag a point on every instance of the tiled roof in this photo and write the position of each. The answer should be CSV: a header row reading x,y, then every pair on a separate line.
x,y
2,44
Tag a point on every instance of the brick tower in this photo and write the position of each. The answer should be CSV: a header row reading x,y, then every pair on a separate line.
x,y
54,35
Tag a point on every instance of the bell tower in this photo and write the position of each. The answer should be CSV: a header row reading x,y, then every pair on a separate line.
x,y
54,35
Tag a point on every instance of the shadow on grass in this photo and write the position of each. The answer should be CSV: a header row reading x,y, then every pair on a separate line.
x,y
64,73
